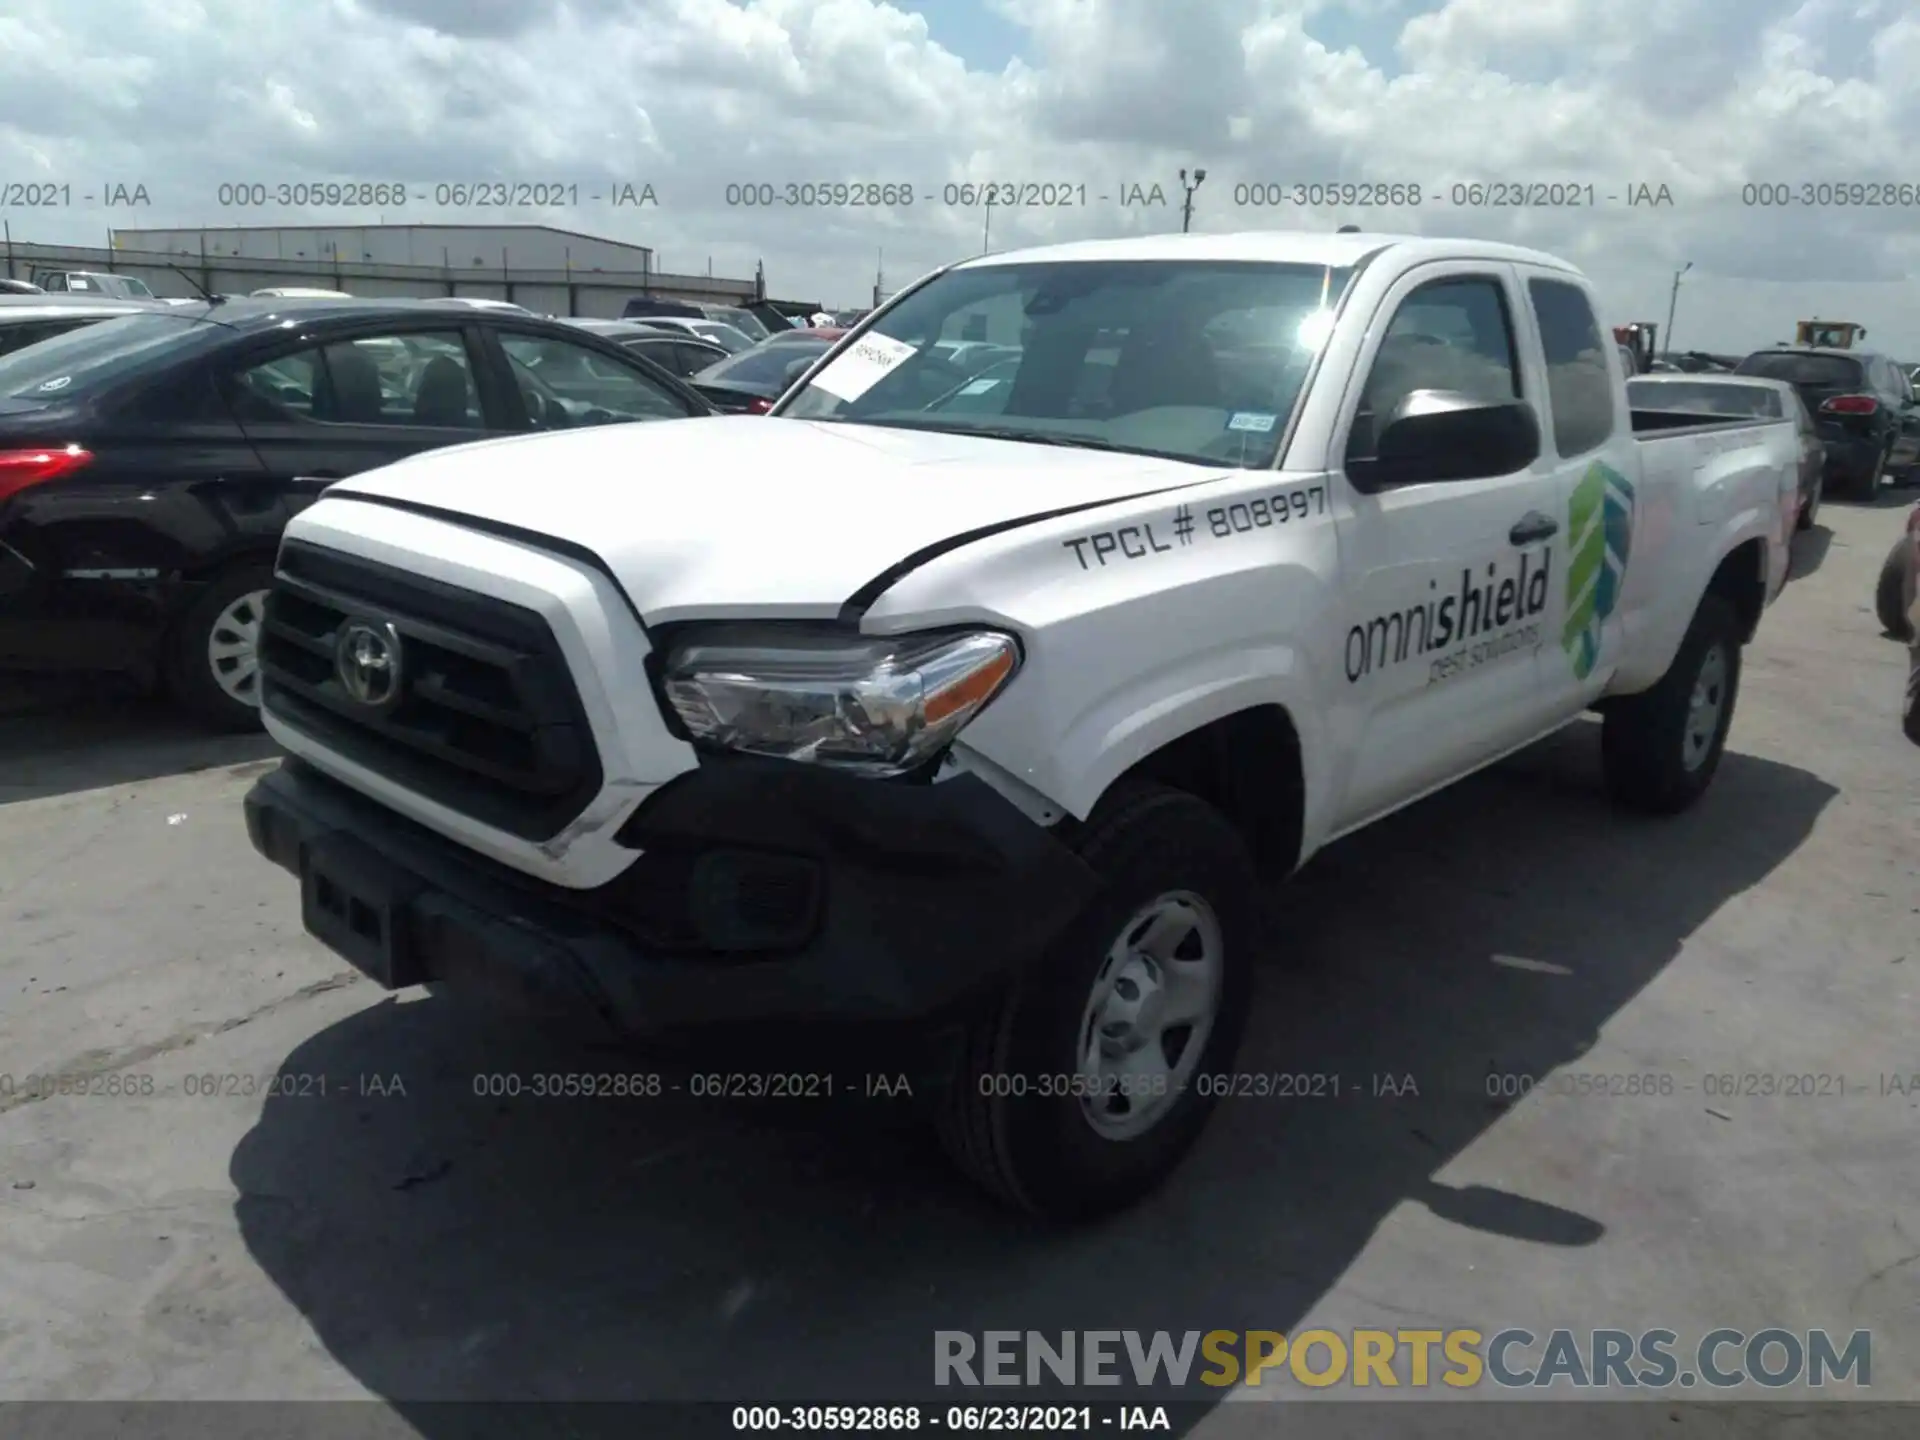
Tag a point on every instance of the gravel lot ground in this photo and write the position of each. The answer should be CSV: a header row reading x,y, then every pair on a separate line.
x,y
431,1244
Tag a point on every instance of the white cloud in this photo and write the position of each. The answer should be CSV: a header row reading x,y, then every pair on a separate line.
x,y
1699,95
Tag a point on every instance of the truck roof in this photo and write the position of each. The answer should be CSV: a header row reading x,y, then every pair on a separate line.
x,y
1309,247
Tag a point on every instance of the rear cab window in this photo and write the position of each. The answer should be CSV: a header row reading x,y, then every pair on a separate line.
x,y
1579,382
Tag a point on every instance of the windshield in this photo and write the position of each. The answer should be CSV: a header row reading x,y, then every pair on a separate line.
x,y
1704,398
1199,361
1798,368
765,364
725,336
745,321
82,361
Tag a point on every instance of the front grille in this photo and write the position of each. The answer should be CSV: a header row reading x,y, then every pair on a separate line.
x,y
488,722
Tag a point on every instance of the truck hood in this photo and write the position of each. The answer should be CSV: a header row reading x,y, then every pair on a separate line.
x,y
744,515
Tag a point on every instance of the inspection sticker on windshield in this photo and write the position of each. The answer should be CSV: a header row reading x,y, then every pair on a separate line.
x,y
863,366
978,387
1258,421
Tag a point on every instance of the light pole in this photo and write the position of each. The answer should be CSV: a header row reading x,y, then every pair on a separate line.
x,y
1186,210
1673,300
986,226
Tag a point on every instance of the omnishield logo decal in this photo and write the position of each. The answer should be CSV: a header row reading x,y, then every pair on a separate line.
x,y
1485,615
1599,541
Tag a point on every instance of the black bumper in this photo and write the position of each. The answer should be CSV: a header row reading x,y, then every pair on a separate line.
x,y
1851,458
765,892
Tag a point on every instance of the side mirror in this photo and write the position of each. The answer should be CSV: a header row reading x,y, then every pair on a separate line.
x,y
1436,436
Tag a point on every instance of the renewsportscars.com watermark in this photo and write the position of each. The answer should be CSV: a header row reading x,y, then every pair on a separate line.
x,y
1722,1359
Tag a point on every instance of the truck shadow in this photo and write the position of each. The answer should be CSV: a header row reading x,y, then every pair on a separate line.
x,y
58,740
449,1247
1808,551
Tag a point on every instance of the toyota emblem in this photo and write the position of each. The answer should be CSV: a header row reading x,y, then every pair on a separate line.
x,y
368,662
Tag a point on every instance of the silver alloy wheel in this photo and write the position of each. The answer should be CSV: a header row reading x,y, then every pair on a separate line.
x,y
1149,1013
1703,708
233,648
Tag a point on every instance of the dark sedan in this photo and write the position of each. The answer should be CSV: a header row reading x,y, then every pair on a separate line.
x,y
1862,404
749,383
149,463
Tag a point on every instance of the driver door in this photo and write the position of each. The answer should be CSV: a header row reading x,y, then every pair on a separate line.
x,y
1454,585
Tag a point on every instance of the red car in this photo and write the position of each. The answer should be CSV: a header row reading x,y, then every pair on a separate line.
x,y
1897,601
1893,597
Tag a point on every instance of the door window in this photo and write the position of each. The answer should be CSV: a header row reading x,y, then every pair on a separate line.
x,y
692,359
563,384
1453,334
421,378
1579,385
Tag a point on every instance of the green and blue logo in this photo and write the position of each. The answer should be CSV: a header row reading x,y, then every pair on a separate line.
x,y
1599,541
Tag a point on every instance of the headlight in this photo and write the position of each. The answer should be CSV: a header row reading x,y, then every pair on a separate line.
x,y
880,706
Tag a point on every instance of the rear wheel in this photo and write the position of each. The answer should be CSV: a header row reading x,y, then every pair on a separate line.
x,y
1660,749
1870,487
1812,507
1088,1083
1893,593
213,660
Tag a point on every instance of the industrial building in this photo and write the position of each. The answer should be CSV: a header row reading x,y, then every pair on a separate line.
x,y
554,271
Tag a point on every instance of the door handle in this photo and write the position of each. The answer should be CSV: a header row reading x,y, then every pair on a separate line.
x,y
1533,526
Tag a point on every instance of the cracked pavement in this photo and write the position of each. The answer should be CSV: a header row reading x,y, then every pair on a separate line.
x,y
277,1182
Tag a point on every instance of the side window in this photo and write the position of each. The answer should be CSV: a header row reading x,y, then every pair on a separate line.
x,y
1579,388
693,359
55,285
18,337
279,389
563,384
422,378
1452,334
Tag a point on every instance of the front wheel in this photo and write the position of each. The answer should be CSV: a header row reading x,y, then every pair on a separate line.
x,y
213,660
1660,749
1090,1081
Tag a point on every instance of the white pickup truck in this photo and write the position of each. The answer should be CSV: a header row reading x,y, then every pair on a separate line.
x,y
970,705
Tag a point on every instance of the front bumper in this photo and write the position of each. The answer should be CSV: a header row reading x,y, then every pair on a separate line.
x,y
765,892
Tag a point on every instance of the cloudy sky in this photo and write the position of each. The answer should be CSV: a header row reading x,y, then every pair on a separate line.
x,y
1704,97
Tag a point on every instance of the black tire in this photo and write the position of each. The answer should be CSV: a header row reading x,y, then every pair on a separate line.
x,y
1812,507
1893,594
1650,764
1869,485
1038,1152
190,674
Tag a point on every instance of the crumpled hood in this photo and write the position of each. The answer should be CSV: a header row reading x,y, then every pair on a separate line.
x,y
749,515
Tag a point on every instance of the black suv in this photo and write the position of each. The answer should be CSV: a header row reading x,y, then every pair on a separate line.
x,y
149,463
1862,404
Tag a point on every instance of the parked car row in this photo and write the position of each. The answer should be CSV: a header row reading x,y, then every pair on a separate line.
x,y
228,418
149,461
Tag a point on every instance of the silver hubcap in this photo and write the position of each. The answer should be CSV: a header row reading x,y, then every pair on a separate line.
x,y
233,647
1148,1016
1703,710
